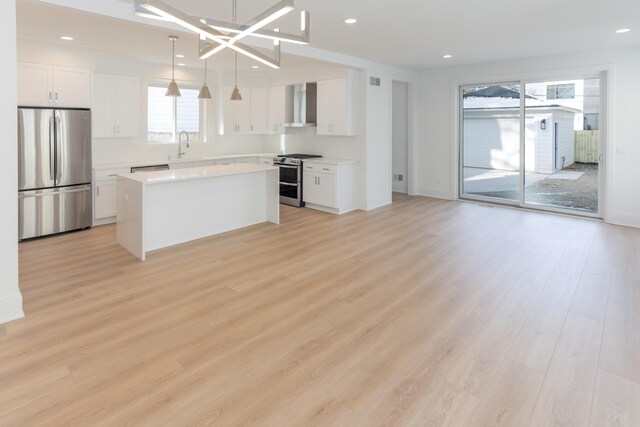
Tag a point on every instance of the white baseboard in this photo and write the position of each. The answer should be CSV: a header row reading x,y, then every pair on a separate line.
x,y
435,192
11,308
626,219
378,202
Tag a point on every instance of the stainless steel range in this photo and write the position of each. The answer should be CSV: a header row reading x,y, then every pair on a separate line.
x,y
291,185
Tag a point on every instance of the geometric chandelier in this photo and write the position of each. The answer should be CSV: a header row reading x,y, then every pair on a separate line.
x,y
216,35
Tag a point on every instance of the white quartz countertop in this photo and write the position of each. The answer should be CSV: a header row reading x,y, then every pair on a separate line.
x,y
330,161
188,174
127,165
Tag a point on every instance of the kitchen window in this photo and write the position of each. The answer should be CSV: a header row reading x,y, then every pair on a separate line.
x,y
168,116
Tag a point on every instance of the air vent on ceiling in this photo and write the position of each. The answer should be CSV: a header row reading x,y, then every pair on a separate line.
x,y
374,81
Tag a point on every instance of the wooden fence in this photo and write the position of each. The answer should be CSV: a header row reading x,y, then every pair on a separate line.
x,y
587,146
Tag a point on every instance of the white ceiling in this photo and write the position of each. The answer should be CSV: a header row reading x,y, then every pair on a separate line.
x,y
407,33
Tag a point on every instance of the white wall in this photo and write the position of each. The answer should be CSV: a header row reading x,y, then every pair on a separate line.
x,y
437,148
10,297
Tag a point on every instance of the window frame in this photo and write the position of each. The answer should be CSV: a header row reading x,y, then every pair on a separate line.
x,y
202,113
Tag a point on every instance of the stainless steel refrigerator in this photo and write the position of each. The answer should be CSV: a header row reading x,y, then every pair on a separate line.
x,y
54,169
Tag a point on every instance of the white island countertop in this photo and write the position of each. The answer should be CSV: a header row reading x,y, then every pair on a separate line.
x,y
189,174
172,161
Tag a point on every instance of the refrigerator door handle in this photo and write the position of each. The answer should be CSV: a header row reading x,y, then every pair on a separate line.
x,y
57,155
64,190
52,138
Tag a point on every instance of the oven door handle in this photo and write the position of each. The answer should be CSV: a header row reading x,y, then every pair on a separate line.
x,y
288,183
284,166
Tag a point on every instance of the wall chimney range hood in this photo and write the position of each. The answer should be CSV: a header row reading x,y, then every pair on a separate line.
x,y
302,99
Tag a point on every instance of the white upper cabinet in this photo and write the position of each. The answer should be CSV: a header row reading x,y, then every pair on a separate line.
x,y
248,115
116,106
259,118
51,86
237,114
279,110
336,115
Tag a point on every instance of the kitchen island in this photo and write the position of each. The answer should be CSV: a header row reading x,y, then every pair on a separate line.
x,y
165,208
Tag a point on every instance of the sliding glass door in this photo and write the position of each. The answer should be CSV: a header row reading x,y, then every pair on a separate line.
x,y
491,134
533,144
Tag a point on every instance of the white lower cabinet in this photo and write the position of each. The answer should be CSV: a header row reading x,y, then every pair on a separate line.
x,y
105,205
265,160
329,187
320,189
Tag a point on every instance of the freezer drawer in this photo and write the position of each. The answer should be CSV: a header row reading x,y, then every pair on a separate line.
x,y
44,212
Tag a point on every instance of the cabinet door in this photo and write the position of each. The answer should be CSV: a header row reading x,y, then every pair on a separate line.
x,y
259,119
243,110
103,112
229,112
276,113
324,98
72,87
127,106
327,190
35,85
340,107
106,199
310,190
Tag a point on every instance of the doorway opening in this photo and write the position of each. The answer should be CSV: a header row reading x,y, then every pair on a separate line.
x,y
400,137
533,144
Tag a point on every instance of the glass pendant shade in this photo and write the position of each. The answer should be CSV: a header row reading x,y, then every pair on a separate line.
x,y
204,92
173,89
235,95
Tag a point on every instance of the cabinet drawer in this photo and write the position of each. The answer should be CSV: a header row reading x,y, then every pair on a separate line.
x,y
318,167
109,174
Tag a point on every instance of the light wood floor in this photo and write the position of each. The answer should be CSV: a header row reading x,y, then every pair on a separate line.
x,y
426,312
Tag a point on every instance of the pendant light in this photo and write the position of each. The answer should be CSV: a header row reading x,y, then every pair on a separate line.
x,y
204,90
173,90
235,94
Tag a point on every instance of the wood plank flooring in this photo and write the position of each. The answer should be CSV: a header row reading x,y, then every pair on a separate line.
x,y
422,313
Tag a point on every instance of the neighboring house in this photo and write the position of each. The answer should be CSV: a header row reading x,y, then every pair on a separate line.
x,y
583,95
492,131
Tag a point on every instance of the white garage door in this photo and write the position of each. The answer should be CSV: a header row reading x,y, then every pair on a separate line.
x,y
492,143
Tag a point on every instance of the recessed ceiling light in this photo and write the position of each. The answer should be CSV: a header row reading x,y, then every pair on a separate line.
x,y
623,30
179,55
350,21
67,38
447,56
182,65
254,67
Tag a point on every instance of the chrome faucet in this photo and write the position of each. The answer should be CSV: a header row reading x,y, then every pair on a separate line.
x,y
180,152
